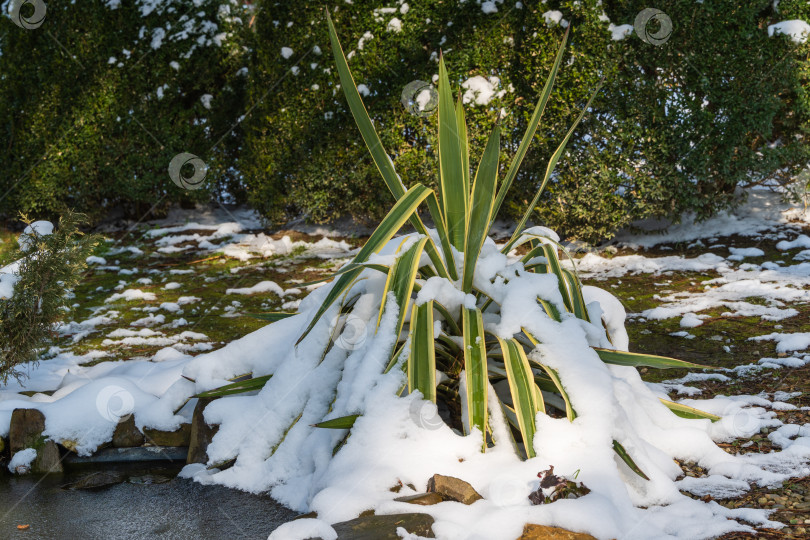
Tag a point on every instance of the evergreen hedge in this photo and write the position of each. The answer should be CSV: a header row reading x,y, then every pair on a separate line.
x,y
676,127
93,108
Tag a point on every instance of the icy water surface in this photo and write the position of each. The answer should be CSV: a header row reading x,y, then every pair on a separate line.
x,y
149,504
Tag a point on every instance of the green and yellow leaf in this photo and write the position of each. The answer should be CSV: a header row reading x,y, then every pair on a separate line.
x,y
344,422
389,226
249,385
454,190
481,200
401,279
526,396
532,127
623,358
422,359
475,367
684,411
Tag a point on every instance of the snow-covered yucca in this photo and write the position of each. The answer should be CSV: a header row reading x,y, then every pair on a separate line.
x,y
532,365
447,289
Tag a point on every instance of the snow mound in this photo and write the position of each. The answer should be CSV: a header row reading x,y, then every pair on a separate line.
x,y
397,440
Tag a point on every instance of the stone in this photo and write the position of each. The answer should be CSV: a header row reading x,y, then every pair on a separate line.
x,y
453,488
179,437
542,532
25,431
201,434
423,499
384,527
48,459
96,480
130,455
69,444
126,435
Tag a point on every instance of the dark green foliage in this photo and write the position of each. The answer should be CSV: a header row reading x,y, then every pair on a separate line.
x,y
677,127
82,124
49,267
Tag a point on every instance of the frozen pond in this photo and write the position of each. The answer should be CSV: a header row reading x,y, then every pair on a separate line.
x,y
148,504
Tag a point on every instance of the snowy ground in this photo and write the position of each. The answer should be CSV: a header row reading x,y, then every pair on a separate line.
x,y
732,293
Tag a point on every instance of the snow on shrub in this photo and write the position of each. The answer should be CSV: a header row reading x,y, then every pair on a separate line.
x,y
442,352
32,289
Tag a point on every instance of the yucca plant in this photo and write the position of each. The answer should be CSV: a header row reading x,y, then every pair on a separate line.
x,y
485,372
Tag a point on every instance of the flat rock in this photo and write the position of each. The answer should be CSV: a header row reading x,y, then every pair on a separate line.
x,y
201,434
96,480
384,527
423,499
126,435
543,532
453,488
132,455
178,437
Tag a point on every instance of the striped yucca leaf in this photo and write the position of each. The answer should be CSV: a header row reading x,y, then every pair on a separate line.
x,y
624,358
552,163
570,413
532,127
444,239
422,360
526,397
475,367
455,190
395,358
463,216
401,279
685,411
481,200
554,265
540,266
451,322
461,123
575,290
550,309
392,222
348,267
344,422
619,449
361,117
270,317
535,239
373,142
240,387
